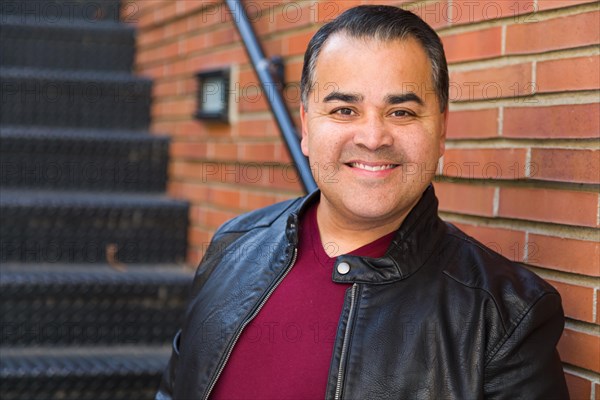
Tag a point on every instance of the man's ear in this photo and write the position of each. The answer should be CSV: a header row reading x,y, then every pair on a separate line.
x,y
304,126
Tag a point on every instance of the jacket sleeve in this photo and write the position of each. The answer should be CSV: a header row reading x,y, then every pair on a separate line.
x,y
527,365
165,391
208,263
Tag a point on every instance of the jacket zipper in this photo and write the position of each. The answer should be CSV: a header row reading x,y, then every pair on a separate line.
x,y
340,380
254,314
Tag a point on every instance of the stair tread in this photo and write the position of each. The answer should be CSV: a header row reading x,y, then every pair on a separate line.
x,y
23,274
50,132
98,76
71,198
33,21
73,361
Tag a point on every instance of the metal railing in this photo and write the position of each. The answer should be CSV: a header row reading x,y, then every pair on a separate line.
x,y
269,85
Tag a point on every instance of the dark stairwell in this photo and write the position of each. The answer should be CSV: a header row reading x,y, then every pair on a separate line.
x,y
92,280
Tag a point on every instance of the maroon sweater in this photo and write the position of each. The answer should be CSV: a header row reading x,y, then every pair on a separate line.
x,y
285,352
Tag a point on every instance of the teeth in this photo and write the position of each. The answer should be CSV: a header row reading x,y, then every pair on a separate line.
x,y
372,168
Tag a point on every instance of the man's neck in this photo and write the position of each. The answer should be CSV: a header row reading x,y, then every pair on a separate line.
x,y
340,234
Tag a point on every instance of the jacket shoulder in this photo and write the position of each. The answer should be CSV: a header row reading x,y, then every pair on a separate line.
x,y
260,218
514,289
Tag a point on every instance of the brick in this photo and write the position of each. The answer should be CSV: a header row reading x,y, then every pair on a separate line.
x,y
564,121
188,150
197,215
252,100
579,388
578,301
280,177
224,197
469,11
145,17
273,47
566,165
182,128
164,88
554,34
216,218
175,107
147,38
176,28
491,83
580,349
217,59
582,73
208,17
472,124
568,255
549,205
484,163
552,4
257,152
465,199
193,44
184,170
198,237
252,200
326,11
296,44
246,79
166,13
233,173
282,154
219,37
189,6
507,242
256,128
474,45
434,13
222,151
294,15
193,192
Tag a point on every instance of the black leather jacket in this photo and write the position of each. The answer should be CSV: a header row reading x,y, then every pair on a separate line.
x,y
440,316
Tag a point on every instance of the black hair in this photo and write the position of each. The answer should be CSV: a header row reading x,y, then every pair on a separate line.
x,y
385,23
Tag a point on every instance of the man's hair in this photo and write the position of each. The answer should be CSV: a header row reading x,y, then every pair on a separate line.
x,y
384,23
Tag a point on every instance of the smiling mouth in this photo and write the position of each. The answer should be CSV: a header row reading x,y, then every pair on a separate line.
x,y
372,168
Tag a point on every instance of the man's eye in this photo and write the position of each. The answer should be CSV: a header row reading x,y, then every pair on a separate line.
x,y
402,113
343,111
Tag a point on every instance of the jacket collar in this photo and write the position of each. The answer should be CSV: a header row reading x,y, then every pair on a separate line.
x,y
415,241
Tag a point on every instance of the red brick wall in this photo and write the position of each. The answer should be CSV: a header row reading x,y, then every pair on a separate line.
x,y
522,165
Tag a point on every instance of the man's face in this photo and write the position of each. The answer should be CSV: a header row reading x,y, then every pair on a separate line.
x,y
372,129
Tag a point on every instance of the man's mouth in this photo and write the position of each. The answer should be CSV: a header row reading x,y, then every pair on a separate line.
x,y
372,168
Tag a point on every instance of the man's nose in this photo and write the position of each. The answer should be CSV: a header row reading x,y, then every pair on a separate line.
x,y
373,133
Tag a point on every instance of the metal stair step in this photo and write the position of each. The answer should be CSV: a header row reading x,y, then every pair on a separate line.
x,y
84,373
99,304
92,11
60,98
82,159
86,227
29,42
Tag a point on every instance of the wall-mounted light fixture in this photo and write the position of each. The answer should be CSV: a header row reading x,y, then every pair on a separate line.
x,y
213,95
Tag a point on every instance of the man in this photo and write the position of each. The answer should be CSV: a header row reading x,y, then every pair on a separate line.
x,y
359,290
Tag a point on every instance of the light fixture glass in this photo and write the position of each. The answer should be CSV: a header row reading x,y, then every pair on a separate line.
x,y
213,99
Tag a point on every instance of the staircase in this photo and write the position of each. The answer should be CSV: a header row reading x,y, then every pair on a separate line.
x,y
92,280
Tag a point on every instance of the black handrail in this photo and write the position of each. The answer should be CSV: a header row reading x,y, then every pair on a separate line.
x,y
270,88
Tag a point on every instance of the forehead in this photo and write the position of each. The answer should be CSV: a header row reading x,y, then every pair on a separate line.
x,y
372,62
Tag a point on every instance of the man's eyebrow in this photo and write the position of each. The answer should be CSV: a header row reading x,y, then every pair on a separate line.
x,y
403,98
345,97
